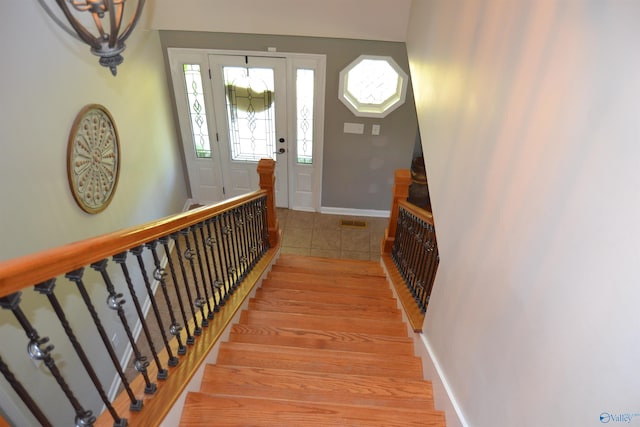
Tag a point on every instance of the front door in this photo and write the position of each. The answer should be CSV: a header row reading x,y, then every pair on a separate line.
x,y
249,95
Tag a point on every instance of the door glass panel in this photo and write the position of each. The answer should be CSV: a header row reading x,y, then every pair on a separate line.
x,y
250,112
304,113
195,100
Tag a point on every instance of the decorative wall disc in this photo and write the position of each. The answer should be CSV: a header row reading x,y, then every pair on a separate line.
x,y
93,158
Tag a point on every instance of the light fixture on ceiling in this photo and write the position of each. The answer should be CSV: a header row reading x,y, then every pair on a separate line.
x,y
107,41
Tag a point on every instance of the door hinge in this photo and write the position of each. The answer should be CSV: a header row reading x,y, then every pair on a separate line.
x,y
224,191
209,73
217,139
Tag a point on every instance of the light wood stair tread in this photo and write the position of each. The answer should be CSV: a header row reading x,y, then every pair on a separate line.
x,y
319,360
326,322
327,265
343,287
312,339
308,307
312,276
326,387
301,295
242,411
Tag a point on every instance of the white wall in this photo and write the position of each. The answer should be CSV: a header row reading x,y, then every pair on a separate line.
x,y
46,79
352,19
529,115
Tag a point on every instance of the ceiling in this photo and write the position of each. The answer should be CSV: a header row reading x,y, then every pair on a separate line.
x,y
354,19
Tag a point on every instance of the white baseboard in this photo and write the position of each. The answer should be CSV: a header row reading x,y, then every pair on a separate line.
x,y
188,203
442,393
443,397
354,212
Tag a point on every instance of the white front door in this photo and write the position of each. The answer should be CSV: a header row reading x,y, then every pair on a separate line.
x,y
249,96
236,108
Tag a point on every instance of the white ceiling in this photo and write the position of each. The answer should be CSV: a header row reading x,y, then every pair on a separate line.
x,y
355,19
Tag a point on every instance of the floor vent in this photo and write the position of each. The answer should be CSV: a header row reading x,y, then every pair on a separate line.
x,y
353,223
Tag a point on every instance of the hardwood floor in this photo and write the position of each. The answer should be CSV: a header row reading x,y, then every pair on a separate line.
x,y
322,344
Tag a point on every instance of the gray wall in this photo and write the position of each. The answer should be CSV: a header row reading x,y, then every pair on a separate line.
x,y
357,169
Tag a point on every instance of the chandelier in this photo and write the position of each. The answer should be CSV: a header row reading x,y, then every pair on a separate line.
x,y
108,37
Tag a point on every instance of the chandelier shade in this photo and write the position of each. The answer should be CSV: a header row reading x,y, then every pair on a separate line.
x,y
107,39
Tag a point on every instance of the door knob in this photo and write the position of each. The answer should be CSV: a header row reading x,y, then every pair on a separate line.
x,y
280,151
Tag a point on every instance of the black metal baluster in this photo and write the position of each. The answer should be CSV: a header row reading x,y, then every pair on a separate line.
x,y
190,338
434,259
190,254
262,212
197,329
413,252
24,395
115,302
36,351
159,274
254,233
223,264
208,242
76,277
203,261
217,284
418,259
121,259
46,288
173,360
229,239
222,243
242,238
423,261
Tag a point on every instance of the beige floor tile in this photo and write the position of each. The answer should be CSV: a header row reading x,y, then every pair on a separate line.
x,y
329,239
355,240
296,237
299,219
324,221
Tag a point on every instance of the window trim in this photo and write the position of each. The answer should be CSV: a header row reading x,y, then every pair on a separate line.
x,y
367,109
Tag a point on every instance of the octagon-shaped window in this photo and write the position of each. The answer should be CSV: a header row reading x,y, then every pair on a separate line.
x,y
373,86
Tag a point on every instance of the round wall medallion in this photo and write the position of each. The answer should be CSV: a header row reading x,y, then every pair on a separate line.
x,y
93,158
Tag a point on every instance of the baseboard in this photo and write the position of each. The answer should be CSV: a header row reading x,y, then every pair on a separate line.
x,y
354,212
443,397
442,393
188,203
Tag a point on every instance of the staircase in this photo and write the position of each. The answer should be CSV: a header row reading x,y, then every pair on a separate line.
x,y
321,344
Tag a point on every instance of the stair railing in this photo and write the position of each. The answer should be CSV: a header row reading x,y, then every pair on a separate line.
x,y
191,270
410,252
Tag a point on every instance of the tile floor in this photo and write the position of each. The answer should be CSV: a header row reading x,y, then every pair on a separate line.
x,y
316,234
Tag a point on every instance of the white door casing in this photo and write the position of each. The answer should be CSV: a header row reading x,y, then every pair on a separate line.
x,y
209,178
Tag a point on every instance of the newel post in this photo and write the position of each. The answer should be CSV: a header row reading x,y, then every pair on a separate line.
x,y
266,170
402,180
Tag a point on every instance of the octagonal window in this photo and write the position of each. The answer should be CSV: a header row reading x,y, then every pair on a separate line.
x,y
373,86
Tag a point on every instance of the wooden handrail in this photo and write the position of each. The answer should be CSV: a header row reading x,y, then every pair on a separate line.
x,y
18,273
417,211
